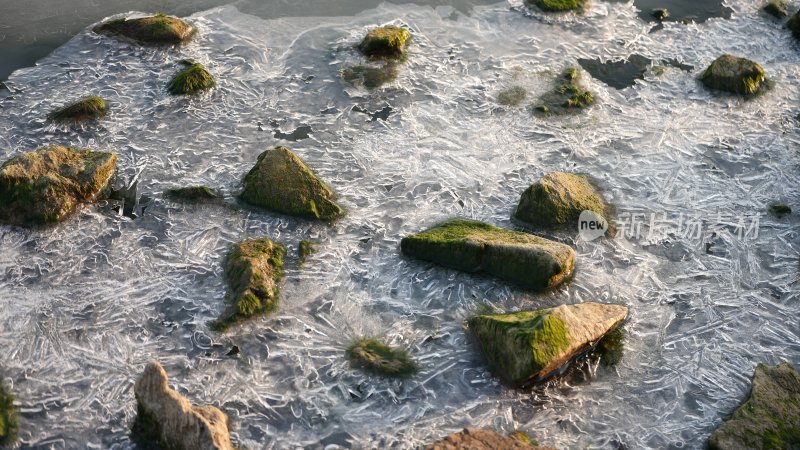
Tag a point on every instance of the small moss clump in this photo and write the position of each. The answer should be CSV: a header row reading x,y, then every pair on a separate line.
x,y
87,108
736,75
780,209
568,95
193,194
777,8
378,358
304,250
8,417
661,14
385,42
159,29
512,96
370,77
191,80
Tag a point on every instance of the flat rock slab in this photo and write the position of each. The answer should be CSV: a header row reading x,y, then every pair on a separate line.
x,y
770,418
521,258
166,418
475,439
736,75
46,185
528,346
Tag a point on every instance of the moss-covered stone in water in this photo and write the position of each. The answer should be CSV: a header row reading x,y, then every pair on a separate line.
x,y
8,417
567,96
159,29
253,269
770,418
780,209
193,194
793,24
611,348
46,185
282,182
87,108
521,258
558,5
191,80
370,77
378,358
558,199
777,8
512,96
386,42
733,74
304,250
661,14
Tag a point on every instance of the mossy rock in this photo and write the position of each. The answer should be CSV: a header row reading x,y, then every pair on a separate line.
x,y
46,185
159,29
793,24
557,200
8,417
777,8
736,75
567,96
304,250
378,358
191,80
385,42
368,76
780,209
87,108
477,439
281,181
512,96
661,14
194,194
770,418
529,346
522,258
252,270
559,5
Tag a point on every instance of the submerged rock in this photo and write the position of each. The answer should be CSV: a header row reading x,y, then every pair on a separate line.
x,y
559,5
777,8
154,30
733,74
8,418
770,418
794,24
558,199
253,269
281,181
780,209
167,419
368,76
191,80
475,439
87,108
304,250
378,358
660,14
46,185
521,258
568,95
512,96
385,42
193,194
528,346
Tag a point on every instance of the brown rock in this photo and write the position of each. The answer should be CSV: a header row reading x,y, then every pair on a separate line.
x,y
475,439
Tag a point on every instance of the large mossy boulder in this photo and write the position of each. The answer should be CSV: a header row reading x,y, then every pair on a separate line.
x,y
477,439
734,74
385,42
770,418
378,358
166,419
282,182
46,185
557,200
8,417
528,346
253,270
159,29
193,79
87,108
521,258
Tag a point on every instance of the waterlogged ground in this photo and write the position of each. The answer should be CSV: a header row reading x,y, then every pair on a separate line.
x,y
85,304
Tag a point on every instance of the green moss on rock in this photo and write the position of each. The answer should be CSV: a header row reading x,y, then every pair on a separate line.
x,y
368,76
87,108
557,200
159,29
385,42
611,348
193,194
46,185
736,75
376,357
8,417
191,80
304,250
559,5
777,8
770,418
521,258
567,96
282,182
793,24
512,96
253,270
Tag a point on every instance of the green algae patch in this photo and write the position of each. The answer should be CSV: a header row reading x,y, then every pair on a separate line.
x,y
557,200
521,258
777,8
282,182
559,5
87,108
567,96
46,185
385,42
159,29
252,270
193,194
378,358
512,96
8,417
793,24
370,77
304,250
769,418
780,209
735,75
191,80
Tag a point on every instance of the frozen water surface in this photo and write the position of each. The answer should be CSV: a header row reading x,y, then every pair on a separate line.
x,y
85,304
